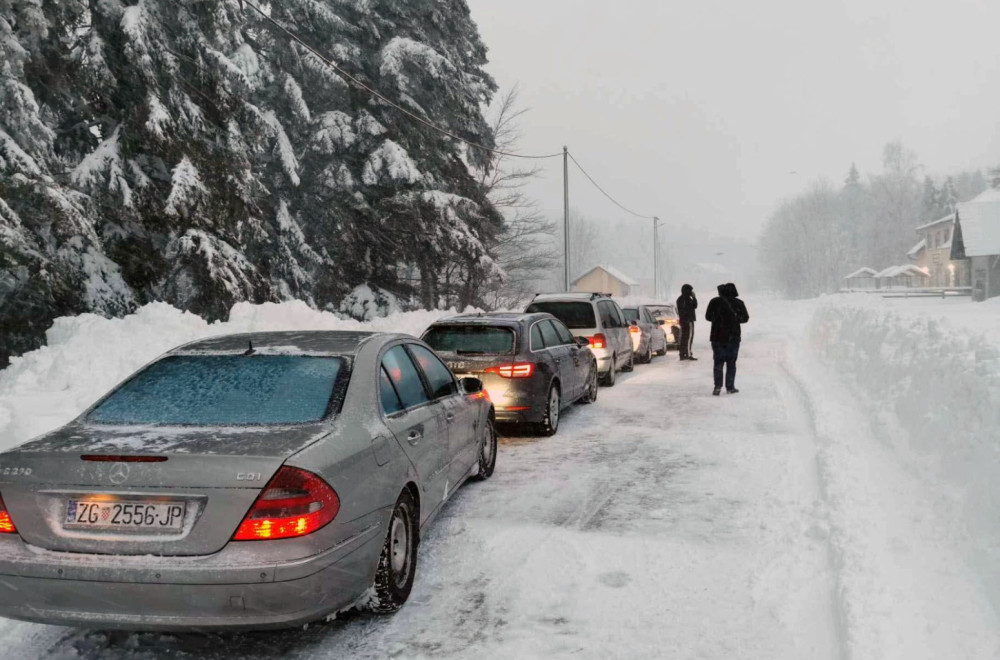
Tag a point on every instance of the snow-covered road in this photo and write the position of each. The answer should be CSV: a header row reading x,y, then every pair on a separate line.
x,y
661,521
793,520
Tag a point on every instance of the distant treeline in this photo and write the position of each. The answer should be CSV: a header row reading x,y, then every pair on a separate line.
x,y
817,237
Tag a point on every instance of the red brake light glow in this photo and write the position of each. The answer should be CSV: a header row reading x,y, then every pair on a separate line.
x,y
598,341
516,370
294,503
634,329
6,524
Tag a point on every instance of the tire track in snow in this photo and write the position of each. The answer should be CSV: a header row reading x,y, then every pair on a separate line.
x,y
834,560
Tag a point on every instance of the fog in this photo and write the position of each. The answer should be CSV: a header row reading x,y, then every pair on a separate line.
x,y
709,114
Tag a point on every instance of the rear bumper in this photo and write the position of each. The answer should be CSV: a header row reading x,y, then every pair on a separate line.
x,y
636,342
530,416
183,594
518,400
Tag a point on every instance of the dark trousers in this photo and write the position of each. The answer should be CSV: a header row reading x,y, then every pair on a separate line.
x,y
725,354
687,336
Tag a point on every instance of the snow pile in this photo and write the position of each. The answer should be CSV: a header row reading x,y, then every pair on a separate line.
x,y
87,355
938,377
927,376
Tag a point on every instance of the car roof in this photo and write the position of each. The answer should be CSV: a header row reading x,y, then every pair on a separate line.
x,y
571,296
492,318
327,342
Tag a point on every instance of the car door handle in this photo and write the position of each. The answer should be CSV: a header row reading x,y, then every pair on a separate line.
x,y
450,417
414,436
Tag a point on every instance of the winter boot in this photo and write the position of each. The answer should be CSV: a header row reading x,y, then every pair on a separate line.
x,y
717,391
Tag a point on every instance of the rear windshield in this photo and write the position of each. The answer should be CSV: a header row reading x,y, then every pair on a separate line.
x,y
224,390
576,315
663,311
631,314
470,339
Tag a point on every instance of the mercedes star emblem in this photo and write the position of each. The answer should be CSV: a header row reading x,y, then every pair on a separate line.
x,y
118,474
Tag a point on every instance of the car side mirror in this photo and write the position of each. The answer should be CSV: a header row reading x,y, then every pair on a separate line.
x,y
662,322
582,342
471,385
633,323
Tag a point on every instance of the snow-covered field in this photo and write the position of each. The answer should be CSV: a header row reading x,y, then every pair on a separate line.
x,y
838,507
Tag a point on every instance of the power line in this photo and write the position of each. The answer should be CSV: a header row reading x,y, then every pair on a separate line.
x,y
605,193
386,100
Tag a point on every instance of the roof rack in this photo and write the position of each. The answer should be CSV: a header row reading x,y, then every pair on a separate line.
x,y
593,295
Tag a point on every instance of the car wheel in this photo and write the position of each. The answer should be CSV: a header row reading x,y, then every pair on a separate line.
x,y
553,407
663,351
631,363
590,395
398,564
487,452
648,357
608,380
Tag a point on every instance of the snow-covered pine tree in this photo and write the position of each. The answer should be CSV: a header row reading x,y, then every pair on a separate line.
x,y
949,196
187,151
51,262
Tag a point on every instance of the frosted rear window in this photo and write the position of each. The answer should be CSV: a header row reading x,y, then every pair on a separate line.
x,y
224,390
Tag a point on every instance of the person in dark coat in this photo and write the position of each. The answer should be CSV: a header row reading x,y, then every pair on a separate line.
x,y
726,313
686,306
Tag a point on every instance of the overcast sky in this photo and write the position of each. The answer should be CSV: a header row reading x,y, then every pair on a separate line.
x,y
711,111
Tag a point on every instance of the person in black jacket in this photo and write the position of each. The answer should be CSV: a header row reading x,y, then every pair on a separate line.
x,y
726,313
686,306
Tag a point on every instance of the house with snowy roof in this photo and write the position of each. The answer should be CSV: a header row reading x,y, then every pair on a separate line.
x,y
933,254
902,277
977,238
862,279
606,279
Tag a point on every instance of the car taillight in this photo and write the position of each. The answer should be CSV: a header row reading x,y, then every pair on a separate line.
x,y
634,329
294,503
516,370
6,524
598,341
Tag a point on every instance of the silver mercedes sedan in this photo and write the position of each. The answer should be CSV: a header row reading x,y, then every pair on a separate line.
x,y
242,482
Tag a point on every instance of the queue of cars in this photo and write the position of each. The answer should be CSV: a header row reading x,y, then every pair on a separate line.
x,y
266,480
534,364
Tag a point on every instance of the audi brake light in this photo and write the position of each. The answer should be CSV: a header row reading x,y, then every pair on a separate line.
x,y
516,370
6,524
598,341
294,503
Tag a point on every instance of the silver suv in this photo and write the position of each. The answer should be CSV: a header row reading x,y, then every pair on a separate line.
x,y
600,320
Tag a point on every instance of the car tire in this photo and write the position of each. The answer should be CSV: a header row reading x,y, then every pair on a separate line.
x,y
397,566
648,357
608,380
590,394
553,408
631,363
663,351
487,452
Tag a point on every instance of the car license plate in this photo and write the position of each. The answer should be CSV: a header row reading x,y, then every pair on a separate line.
x,y
119,515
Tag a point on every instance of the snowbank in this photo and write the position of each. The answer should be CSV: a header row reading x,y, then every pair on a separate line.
x,y
929,368
87,355
928,375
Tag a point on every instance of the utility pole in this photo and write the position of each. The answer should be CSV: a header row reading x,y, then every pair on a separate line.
x,y
566,218
656,259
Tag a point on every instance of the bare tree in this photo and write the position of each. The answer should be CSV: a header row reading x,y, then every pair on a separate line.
x,y
524,249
